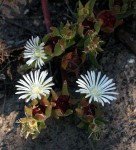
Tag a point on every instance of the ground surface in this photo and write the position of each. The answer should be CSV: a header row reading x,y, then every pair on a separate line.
x,y
117,61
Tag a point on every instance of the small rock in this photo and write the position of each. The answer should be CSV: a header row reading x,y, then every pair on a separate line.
x,y
26,11
131,61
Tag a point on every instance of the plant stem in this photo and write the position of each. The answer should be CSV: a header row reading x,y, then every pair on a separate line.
x,y
46,14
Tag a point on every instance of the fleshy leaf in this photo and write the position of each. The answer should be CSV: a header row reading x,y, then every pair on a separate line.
x,y
124,8
81,125
41,125
111,4
45,38
68,112
59,47
70,43
67,32
54,95
53,104
65,60
58,113
91,6
80,5
97,26
55,31
35,135
40,117
127,14
94,60
65,88
24,68
48,50
28,111
80,29
44,101
34,102
48,111
79,112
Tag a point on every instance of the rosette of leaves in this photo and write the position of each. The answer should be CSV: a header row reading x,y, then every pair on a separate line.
x,y
36,114
88,28
108,20
86,19
92,43
86,11
61,103
112,18
90,118
59,39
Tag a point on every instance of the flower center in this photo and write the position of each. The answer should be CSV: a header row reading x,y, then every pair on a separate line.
x,y
37,54
96,91
36,89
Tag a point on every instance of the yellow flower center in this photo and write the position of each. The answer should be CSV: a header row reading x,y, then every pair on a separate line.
x,y
36,89
96,91
37,54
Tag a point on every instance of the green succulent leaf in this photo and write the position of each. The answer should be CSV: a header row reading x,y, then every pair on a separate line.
x,y
80,7
24,68
48,111
68,112
55,31
61,25
26,134
83,12
90,6
41,125
127,14
45,38
94,60
80,30
111,4
81,43
40,117
125,1
68,31
124,8
100,121
70,43
59,47
87,42
81,125
54,95
28,111
65,88
79,112
34,102
35,135
48,58
48,50
58,113
97,26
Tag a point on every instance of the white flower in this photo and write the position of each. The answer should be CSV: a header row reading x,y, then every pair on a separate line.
x,y
34,85
97,88
35,52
